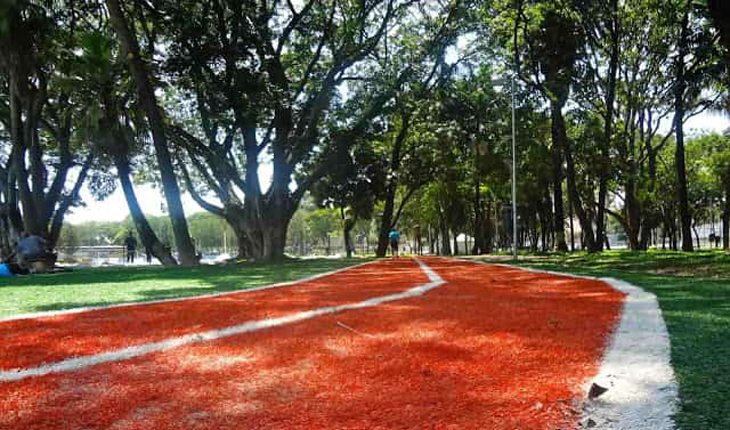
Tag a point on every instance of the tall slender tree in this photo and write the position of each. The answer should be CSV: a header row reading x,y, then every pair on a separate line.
x,y
148,100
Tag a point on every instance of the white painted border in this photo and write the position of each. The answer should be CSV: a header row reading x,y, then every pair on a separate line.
x,y
77,363
177,299
636,366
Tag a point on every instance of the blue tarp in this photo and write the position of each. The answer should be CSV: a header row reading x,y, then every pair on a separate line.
x,y
5,270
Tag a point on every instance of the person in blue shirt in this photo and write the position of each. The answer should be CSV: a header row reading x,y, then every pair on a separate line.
x,y
394,237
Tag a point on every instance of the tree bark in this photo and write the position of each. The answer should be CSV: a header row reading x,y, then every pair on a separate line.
x,y
478,247
386,221
557,156
697,236
66,202
680,86
586,226
604,167
145,89
632,215
146,234
488,229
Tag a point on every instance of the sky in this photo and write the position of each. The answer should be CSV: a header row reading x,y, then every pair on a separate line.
x,y
151,199
114,208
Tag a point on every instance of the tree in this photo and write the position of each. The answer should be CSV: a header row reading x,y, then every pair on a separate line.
x,y
709,180
146,93
44,162
291,80
111,128
545,41
352,186
693,64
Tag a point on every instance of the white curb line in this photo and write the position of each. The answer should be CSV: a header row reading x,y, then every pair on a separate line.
x,y
636,366
176,299
78,363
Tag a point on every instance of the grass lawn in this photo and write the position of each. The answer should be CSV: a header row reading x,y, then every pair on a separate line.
x,y
103,286
694,293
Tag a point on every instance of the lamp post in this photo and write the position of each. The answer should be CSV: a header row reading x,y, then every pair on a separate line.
x,y
514,174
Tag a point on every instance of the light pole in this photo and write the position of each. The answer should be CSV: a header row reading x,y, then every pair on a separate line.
x,y
514,174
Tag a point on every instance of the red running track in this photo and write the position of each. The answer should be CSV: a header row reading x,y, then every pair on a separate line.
x,y
493,348
31,342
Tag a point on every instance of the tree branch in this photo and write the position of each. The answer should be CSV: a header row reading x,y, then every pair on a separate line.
x,y
210,207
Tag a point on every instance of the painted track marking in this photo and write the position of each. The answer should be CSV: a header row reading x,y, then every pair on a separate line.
x,y
78,363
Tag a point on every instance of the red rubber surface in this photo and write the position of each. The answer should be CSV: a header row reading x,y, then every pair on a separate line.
x,y
32,342
493,348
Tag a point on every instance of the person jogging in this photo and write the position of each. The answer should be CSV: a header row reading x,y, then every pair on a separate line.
x,y
394,237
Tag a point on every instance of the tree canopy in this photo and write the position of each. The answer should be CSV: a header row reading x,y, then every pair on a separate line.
x,y
387,112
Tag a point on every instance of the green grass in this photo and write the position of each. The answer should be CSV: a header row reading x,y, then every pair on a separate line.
x,y
104,286
694,293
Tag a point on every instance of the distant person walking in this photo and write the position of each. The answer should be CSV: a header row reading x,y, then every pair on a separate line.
x,y
394,237
131,243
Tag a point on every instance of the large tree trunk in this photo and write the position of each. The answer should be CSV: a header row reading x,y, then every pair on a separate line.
x,y
23,130
478,247
145,89
632,214
275,240
604,167
386,221
65,203
243,245
680,86
577,205
557,155
488,229
261,236
146,234
118,147
30,187
443,232
11,225
647,226
235,218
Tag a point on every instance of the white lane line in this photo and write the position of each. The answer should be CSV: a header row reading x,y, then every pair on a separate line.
x,y
178,299
636,366
73,364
